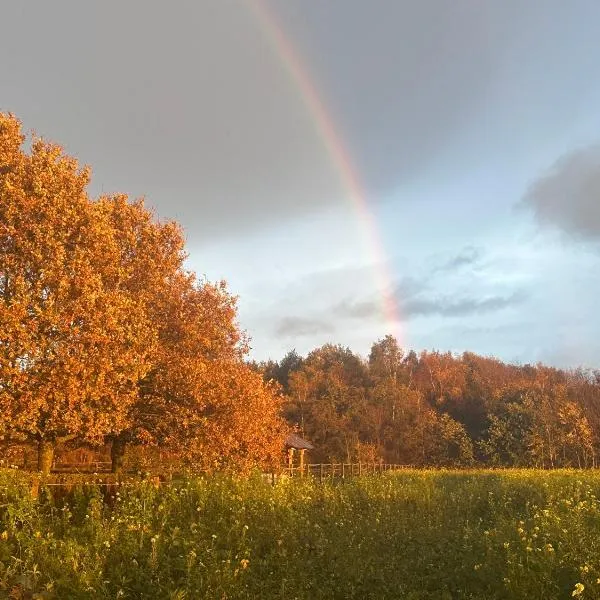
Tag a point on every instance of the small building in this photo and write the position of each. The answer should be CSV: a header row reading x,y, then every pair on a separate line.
x,y
294,443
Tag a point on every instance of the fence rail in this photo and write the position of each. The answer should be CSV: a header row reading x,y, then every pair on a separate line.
x,y
84,467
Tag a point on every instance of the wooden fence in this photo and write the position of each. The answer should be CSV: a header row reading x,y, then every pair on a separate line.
x,y
323,471
319,471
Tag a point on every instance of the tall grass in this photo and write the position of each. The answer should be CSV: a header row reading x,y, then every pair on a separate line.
x,y
411,535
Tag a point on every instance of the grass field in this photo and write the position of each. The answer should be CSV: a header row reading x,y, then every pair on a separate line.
x,y
408,535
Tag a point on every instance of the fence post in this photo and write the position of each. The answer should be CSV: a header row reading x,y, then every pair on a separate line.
x,y
35,487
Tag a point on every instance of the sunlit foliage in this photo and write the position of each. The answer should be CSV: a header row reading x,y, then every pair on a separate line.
x,y
104,336
439,409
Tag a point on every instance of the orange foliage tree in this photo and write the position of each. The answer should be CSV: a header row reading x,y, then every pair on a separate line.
x,y
199,399
103,334
71,347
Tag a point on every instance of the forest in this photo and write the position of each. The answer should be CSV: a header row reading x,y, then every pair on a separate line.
x,y
438,409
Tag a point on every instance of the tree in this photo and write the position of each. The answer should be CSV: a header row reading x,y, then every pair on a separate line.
x,y
385,368
509,427
447,380
234,424
103,334
71,348
200,399
197,381
447,442
286,367
576,436
329,392
395,405
147,259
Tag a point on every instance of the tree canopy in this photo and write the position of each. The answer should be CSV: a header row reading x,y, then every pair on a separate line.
x,y
103,333
440,409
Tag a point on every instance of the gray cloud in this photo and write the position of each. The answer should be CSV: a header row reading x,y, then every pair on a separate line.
x,y
451,307
406,288
568,197
428,306
302,326
192,105
406,80
468,256
421,297
186,103
366,309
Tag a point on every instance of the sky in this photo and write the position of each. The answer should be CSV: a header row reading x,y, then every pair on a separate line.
x,y
424,168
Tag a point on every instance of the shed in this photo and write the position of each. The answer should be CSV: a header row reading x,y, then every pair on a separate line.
x,y
294,442
297,443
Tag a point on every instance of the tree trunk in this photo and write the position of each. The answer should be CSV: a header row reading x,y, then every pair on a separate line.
x,y
45,456
117,454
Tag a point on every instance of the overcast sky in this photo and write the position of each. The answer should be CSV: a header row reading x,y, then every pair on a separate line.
x,y
472,124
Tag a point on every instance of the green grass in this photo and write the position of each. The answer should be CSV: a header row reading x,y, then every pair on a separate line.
x,y
410,535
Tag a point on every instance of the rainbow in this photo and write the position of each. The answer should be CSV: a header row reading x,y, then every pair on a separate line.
x,y
336,148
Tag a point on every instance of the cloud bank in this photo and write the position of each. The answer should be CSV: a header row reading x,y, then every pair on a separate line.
x,y
568,196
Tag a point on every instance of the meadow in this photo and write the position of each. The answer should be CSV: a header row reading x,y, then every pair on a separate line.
x,y
413,535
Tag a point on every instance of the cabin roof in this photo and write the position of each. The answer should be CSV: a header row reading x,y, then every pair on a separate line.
x,y
295,441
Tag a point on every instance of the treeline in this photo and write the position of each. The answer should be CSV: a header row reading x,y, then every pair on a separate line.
x,y
105,338
438,409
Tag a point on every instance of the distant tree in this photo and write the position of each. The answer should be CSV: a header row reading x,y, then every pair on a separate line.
x,y
386,358
386,371
404,437
584,390
296,408
441,409
281,371
577,439
506,438
484,376
288,365
396,407
329,393
446,441
447,380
